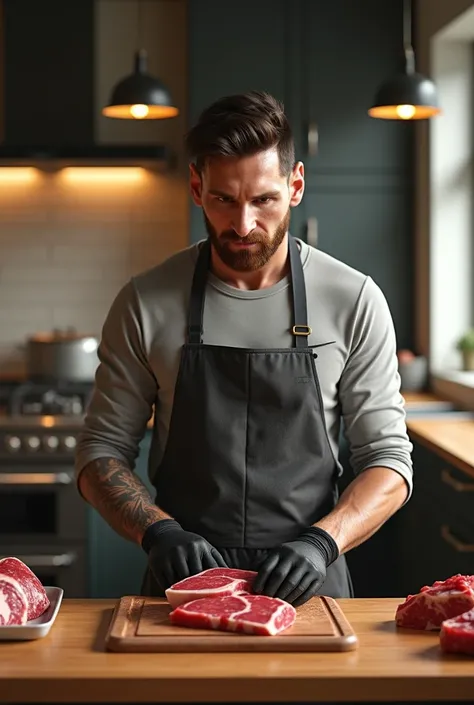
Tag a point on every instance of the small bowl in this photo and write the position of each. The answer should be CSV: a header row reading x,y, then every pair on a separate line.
x,y
413,374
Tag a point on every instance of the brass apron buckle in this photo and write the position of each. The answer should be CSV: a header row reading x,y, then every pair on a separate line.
x,y
301,330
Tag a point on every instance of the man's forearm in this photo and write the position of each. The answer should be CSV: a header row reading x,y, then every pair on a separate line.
x,y
120,497
364,506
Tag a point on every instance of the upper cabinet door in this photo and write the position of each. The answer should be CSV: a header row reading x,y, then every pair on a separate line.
x,y
348,48
366,228
237,47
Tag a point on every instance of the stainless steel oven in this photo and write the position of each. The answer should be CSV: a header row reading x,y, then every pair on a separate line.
x,y
38,500
43,520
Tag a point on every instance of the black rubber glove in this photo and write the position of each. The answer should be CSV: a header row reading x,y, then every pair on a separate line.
x,y
175,554
296,570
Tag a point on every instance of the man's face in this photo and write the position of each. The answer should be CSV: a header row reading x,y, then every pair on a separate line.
x,y
246,205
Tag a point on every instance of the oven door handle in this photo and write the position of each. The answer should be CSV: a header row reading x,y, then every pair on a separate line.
x,y
36,478
39,560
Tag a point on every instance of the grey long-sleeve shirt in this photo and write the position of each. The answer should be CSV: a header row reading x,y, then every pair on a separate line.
x,y
145,329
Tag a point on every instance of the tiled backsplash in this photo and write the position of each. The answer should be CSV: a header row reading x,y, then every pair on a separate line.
x,y
69,240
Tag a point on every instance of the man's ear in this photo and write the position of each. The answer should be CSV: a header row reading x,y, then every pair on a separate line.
x,y
195,185
297,184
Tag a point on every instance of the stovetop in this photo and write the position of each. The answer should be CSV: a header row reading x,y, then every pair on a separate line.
x,y
28,398
41,420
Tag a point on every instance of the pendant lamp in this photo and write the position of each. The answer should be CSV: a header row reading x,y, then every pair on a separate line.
x,y
140,96
408,95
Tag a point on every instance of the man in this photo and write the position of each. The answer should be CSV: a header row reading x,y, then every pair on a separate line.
x,y
251,347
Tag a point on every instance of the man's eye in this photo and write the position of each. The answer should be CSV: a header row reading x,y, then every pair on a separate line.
x,y
224,199
265,199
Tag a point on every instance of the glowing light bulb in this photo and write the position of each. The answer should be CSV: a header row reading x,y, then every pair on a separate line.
x,y
18,175
405,112
139,110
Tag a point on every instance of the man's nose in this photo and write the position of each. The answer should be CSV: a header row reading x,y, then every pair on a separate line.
x,y
243,221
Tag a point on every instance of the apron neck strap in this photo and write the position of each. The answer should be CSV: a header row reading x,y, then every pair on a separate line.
x,y
300,330
198,294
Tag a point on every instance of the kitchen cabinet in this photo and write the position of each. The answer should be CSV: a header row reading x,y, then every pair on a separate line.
x,y
347,50
325,61
436,528
251,54
365,227
116,566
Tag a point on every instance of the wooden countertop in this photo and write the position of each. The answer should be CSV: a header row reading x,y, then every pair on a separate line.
x,y
452,439
412,399
70,665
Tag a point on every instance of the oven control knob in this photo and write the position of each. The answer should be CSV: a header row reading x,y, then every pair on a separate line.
x,y
13,443
51,442
70,442
33,442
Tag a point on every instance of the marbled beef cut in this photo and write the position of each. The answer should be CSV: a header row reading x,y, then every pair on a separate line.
x,y
434,604
213,582
13,602
36,596
457,634
252,614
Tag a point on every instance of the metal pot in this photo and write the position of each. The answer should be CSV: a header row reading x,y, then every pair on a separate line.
x,y
62,355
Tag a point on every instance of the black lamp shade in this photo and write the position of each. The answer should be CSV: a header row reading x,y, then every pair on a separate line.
x,y
407,96
140,96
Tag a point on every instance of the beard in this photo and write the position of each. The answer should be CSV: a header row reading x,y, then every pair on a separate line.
x,y
254,258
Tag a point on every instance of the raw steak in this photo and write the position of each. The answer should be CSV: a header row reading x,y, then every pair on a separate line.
x,y
35,593
457,634
434,604
253,614
13,602
212,582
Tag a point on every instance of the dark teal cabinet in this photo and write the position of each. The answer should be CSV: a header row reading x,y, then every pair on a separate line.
x,y
236,47
436,528
430,538
365,226
116,566
347,49
233,48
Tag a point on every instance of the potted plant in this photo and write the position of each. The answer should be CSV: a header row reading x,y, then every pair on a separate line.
x,y
465,345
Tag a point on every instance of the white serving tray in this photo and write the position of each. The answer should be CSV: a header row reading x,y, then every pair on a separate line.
x,y
35,628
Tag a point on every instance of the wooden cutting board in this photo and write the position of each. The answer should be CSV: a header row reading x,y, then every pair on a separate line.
x,y
142,624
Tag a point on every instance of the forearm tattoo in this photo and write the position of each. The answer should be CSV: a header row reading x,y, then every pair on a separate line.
x,y
120,497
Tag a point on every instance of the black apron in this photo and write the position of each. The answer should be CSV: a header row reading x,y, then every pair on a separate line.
x,y
248,464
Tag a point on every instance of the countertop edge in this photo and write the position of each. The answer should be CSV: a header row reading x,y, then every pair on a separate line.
x,y
240,690
436,445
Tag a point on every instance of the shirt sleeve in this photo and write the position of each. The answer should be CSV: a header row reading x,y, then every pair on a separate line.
x,y
373,408
125,388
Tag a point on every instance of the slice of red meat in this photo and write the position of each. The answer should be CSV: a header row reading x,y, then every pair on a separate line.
x,y
434,604
13,602
252,614
457,634
211,583
36,596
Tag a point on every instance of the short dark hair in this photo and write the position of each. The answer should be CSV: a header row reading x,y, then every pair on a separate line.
x,y
240,126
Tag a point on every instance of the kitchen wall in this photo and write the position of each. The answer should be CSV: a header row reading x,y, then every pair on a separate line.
x,y
443,177
70,239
